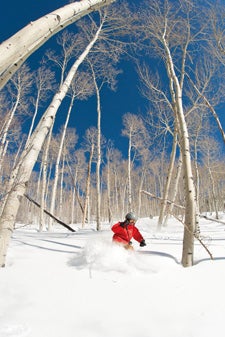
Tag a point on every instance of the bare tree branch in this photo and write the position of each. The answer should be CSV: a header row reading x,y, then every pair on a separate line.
x,y
15,50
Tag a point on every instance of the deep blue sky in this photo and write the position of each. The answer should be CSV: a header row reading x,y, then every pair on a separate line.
x,y
17,14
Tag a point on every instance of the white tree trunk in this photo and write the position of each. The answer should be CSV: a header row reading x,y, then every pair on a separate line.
x,y
143,174
116,198
61,188
109,193
56,176
73,192
15,50
87,190
129,175
190,199
98,166
168,183
25,166
174,191
33,118
214,199
6,128
42,224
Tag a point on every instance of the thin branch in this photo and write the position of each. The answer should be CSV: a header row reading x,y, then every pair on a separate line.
x,y
181,207
195,236
211,219
210,107
161,199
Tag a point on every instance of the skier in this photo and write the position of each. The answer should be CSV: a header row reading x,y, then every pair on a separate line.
x,y
126,230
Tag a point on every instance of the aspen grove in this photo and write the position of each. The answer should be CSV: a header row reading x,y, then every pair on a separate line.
x,y
173,164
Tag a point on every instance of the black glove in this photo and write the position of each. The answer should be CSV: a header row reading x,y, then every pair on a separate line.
x,y
142,243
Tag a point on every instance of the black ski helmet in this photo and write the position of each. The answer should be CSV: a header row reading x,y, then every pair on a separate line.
x,y
131,216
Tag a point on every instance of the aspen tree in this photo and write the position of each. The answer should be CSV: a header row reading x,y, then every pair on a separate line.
x,y
18,88
22,172
89,146
15,50
134,129
81,88
161,25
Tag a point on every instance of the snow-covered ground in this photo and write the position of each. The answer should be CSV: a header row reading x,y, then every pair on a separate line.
x,y
64,284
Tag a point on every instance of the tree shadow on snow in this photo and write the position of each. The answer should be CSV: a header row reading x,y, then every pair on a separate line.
x,y
208,259
39,246
161,254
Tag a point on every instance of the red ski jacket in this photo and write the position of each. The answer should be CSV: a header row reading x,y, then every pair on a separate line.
x,y
123,233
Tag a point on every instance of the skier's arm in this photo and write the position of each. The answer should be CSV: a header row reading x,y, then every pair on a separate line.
x,y
138,237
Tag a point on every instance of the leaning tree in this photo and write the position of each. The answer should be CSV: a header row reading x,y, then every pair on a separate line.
x,y
15,50
32,39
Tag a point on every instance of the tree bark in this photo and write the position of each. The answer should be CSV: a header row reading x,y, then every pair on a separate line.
x,y
15,50
174,191
129,174
98,166
190,199
56,176
5,130
87,190
44,181
168,182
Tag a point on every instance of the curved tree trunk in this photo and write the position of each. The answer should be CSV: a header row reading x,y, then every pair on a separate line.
x,y
15,50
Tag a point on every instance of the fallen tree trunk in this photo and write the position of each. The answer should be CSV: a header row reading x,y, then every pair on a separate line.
x,y
49,214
